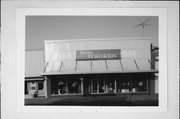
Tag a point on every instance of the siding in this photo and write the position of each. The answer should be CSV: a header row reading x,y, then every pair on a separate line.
x,y
34,63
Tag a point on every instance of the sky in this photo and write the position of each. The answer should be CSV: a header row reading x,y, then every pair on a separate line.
x,y
40,28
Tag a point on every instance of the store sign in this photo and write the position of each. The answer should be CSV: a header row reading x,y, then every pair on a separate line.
x,y
108,54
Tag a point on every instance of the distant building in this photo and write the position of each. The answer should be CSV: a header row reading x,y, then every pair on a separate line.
x,y
92,67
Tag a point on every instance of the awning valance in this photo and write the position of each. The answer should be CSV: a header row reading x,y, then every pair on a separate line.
x,y
34,78
114,72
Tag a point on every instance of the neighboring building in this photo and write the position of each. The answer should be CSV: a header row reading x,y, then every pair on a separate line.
x,y
92,67
155,61
34,82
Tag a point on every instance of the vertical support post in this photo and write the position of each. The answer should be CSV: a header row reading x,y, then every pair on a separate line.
x,y
82,87
104,85
91,86
28,87
47,87
66,87
115,86
98,86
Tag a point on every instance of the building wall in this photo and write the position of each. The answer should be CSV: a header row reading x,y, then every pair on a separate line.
x,y
155,62
34,65
59,51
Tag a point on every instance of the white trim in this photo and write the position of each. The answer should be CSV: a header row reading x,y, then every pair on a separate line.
x,y
98,39
97,72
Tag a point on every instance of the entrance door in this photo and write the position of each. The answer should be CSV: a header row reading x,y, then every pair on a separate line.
x,y
40,89
97,86
101,86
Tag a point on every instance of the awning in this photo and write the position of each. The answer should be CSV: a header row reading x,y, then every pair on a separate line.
x,y
99,67
34,78
114,72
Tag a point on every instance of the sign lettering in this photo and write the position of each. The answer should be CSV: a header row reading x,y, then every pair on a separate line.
x,y
109,54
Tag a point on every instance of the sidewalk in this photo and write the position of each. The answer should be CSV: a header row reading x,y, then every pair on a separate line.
x,y
118,100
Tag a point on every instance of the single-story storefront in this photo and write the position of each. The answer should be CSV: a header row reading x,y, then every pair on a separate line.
x,y
99,67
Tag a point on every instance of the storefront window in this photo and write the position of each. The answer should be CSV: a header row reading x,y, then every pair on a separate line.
x,y
95,86
70,86
58,87
65,86
110,86
33,88
40,86
101,86
74,86
131,86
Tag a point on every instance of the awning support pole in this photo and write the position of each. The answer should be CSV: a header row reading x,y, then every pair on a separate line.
x,y
136,64
151,64
46,66
106,65
121,65
61,66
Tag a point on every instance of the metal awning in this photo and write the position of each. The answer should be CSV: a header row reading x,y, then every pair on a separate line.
x,y
99,67
34,78
110,72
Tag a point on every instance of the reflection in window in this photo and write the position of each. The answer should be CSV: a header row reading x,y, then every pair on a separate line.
x,y
131,86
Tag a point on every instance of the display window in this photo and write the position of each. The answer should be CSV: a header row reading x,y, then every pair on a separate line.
x,y
65,86
132,86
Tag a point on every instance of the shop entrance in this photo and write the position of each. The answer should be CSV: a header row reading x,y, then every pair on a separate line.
x,y
101,86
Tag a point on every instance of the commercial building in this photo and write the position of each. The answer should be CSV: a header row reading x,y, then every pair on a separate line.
x,y
96,67
34,82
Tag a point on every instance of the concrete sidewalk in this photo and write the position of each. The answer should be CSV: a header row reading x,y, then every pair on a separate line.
x,y
117,100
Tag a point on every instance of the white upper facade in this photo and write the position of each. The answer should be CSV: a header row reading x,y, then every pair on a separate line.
x,y
61,55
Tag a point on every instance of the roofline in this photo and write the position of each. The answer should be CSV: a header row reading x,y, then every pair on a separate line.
x,y
99,39
83,73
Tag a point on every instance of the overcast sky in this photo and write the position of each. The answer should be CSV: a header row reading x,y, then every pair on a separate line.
x,y
40,28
